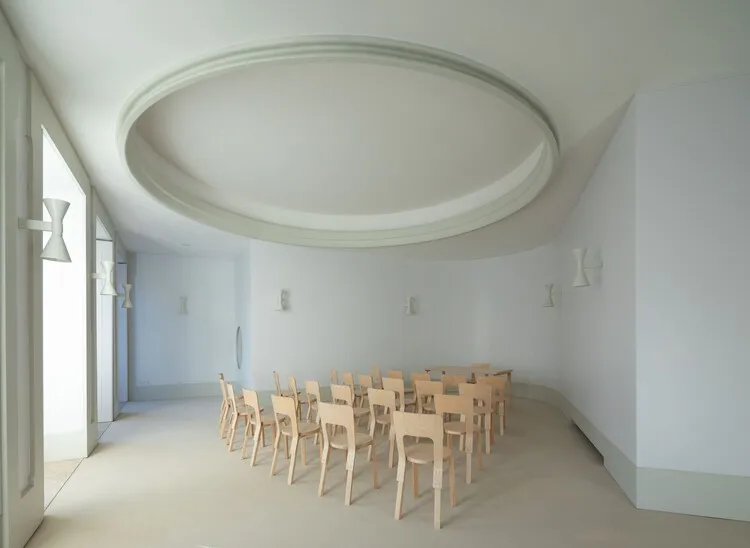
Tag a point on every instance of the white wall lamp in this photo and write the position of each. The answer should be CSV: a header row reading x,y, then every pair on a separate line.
x,y
126,302
106,274
548,301
55,250
282,301
410,306
581,280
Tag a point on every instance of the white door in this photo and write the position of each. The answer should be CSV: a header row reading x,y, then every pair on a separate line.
x,y
21,421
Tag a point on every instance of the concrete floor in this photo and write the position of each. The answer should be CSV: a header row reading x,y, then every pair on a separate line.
x,y
162,478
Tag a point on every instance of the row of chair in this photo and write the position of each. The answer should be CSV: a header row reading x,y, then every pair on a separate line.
x,y
333,425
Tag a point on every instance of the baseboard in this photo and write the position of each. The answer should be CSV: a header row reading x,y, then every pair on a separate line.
x,y
712,495
695,493
175,391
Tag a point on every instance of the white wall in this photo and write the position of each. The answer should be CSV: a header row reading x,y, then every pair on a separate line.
x,y
693,271
347,312
171,349
598,344
64,312
121,278
105,342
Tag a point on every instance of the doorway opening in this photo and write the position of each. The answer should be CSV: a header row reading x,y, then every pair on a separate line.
x,y
121,278
64,286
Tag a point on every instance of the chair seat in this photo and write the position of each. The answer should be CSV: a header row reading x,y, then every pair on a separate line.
x,y
422,453
361,412
458,427
384,418
340,441
305,429
267,420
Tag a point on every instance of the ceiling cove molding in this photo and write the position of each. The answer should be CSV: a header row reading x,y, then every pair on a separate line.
x,y
180,192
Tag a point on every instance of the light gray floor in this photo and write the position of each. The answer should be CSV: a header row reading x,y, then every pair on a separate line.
x,y
162,478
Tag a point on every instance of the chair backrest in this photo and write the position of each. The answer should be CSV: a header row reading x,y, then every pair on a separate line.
x,y
397,387
497,384
233,405
381,398
223,385
312,388
452,380
334,375
292,382
456,405
479,392
252,403
278,385
348,379
394,374
377,378
342,393
339,415
420,426
365,381
423,389
285,407
420,377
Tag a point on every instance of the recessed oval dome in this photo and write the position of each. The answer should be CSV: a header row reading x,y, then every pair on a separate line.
x,y
339,142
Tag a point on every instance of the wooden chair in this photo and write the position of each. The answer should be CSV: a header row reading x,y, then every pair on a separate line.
x,y
385,401
332,415
465,428
451,382
420,377
430,427
279,391
295,394
256,426
498,400
341,393
424,390
224,405
334,375
237,409
312,393
377,378
365,383
482,394
397,386
394,374
292,430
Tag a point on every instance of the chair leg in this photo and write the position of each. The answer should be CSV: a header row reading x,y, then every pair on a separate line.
x,y
399,499
415,479
374,470
452,479
246,437
325,453
479,450
292,461
488,432
276,443
348,493
223,418
304,451
233,431
286,447
260,432
391,450
438,493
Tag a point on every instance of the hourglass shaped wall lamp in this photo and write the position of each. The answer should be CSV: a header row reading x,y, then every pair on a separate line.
x,y
55,250
581,280
127,302
106,274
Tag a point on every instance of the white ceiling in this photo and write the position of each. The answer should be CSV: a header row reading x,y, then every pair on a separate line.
x,y
582,59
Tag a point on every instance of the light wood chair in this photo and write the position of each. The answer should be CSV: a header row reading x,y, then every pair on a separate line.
x,y
394,374
342,416
342,393
382,406
292,431
224,406
397,386
498,400
420,377
481,394
237,409
256,426
334,376
430,427
377,378
312,393
295,394
466,428
365,382
279,391
424,392
451,382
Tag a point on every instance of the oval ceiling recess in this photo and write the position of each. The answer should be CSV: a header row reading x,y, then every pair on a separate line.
x,y
339,141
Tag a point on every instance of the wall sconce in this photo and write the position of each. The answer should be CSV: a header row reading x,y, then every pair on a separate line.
x,y
183,306
581,280
55,250
549,302
282,301
127,303
410,306
106,275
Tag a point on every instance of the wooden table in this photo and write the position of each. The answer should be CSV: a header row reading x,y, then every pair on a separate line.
x,y
458,370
